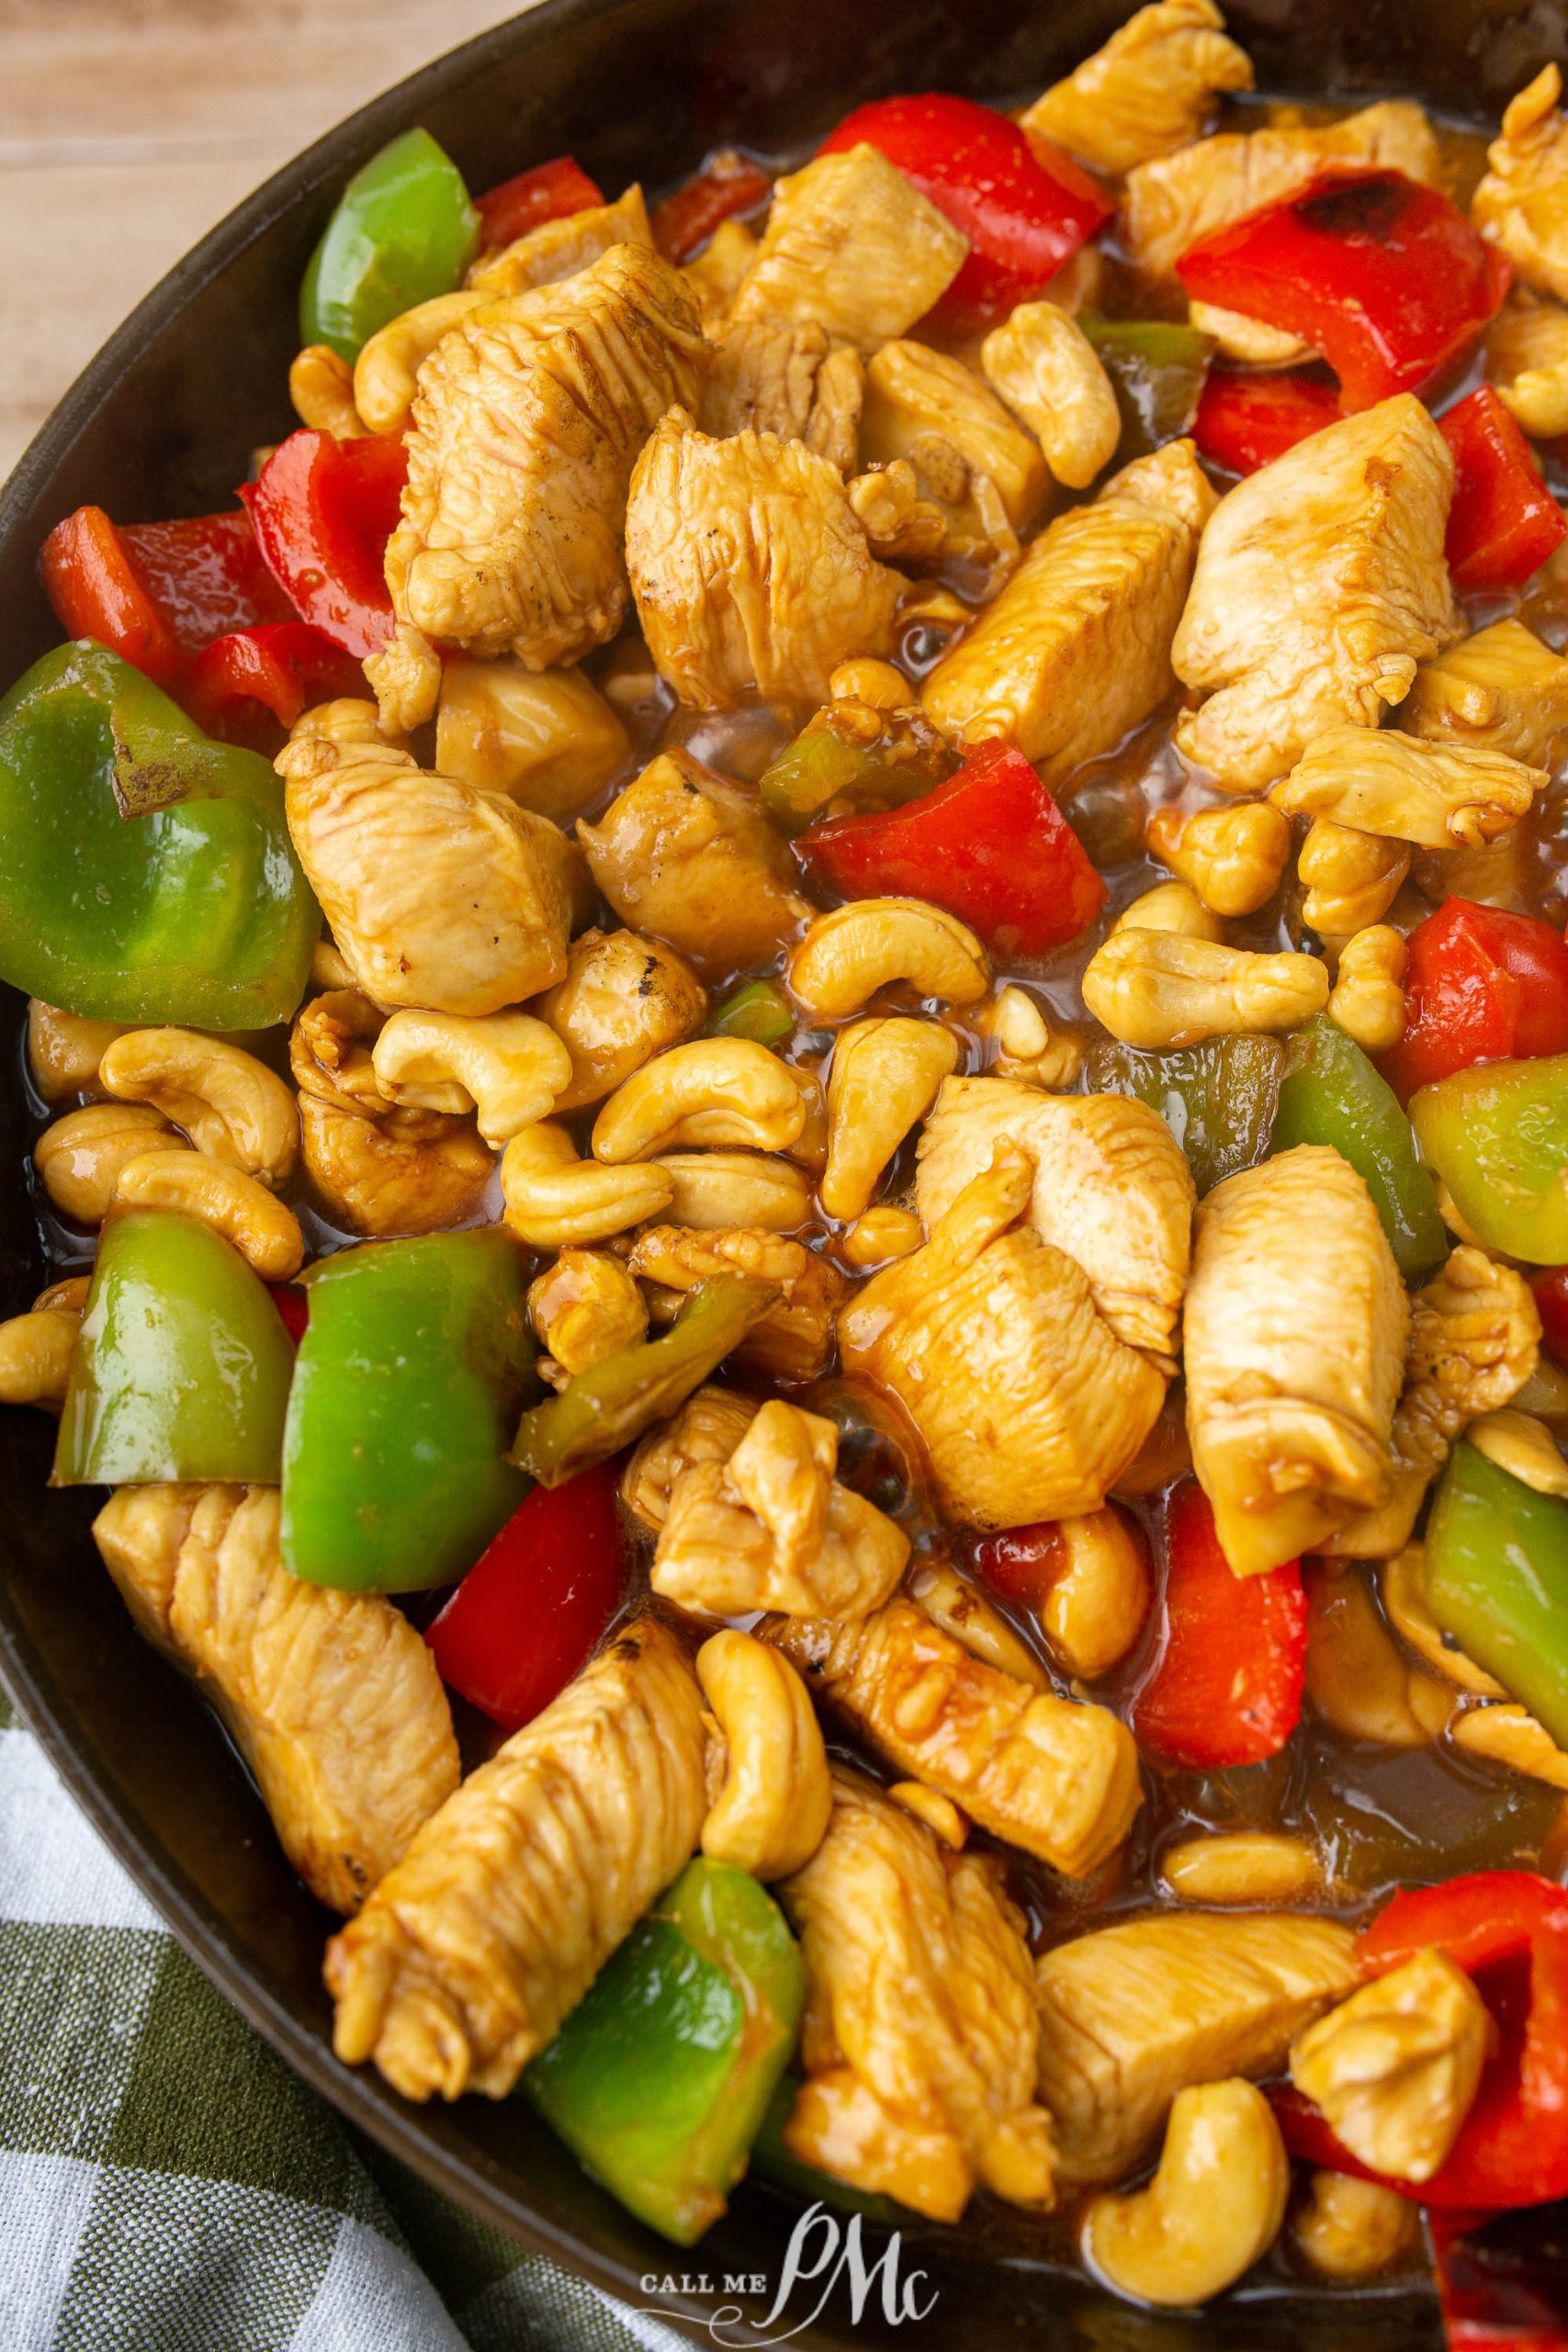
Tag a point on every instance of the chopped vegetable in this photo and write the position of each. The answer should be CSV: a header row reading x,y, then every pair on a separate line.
x,y
1227,1686
156,593
412,1364
551,191
1247,418
246,684
323,511
661,2077
1504,522
759,1010
1330,1093
1551,1294
402,232
1156,370
1495,1576
1480,985
809,772
728,184
182,1365
850,760
1498,1135
1218,1099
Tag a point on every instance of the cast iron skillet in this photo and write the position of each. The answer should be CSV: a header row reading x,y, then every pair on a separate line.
x,y
160,425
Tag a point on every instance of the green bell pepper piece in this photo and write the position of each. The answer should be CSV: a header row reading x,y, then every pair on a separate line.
x,y
1217,1098
772,2159
811,773
1331,1094
659,2078
412,1368
403,232
1157,370
1496,1574
758,1011
149,871
182,1367
1498,1135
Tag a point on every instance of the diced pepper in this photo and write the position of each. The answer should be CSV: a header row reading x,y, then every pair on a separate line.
x,y
1024,207
838,767
1330,1093
1480,985
243,687
323,511
294,1307
760,1010
1156,370
402,232
1499,2278
182,1366
1227,1686
551,191
773,2159
1384,277
611,1402
1550,1295
195,911
1495,1574
526,1617
92,583
156,593
1247,418
1498,1135
728,184
990,845
412,1364
1218,1099
809,772
1503,521
661,2077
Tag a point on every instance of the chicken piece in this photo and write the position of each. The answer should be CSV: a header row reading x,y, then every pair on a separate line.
x,y
853,245
716,276
1521,204
914,395
623,1000
1402,788
584,1307
707,1429
379,1169
1076,649
1526,360
1394,2069
1030,1404
693,860
509,1901
1171,201
437,895
919,2039
529,417
1058,1779
794,1338
1132,2014
784,377
1113,1190
1295,1337
1147,92
546,738
1501,690
750,568
332,1697
1475,1341
772,1528
1320,584
559,248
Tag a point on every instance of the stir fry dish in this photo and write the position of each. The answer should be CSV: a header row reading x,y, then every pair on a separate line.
x,y
800,1034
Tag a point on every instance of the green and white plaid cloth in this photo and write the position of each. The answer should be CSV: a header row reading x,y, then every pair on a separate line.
x,y
167,2185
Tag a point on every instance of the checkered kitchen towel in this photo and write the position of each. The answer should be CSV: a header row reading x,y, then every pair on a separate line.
x,y
167,2185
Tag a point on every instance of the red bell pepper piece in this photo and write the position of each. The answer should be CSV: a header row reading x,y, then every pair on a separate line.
x,y
727,184
292,1301
323,511
1387,279
1024,207
90,581
1549,1291
155,593
1495,2294
525,1617
1227,1686
1504,522
990,845
239,684
1482,985
1025,1562
549,192
1247,419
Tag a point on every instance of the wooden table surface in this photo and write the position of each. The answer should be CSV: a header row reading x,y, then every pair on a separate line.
x,y
128,127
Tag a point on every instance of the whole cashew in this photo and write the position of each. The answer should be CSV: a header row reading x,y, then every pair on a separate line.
x,y
80,1157
1351,2229
1043,365
553,1199
1173,907
961,1609
881,1234
64,1050
1522,1446
1249,1866
231,1107
263,1229
1213,2208
1152,989
715,1190
1405,1600
387,368
884,1079
848,955
727,1092
879,685
773,1802
35,1356
1026,1045
939,1813
320,385
1351,879
1368,1001
1511,1735
1232,858
1099,1592
506,1066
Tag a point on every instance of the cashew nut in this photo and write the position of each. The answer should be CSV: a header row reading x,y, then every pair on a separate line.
x,y
1099,1594
1043,365
1522,1446
1213,2208
1026,1045
64,1050
1544,1395
881,1234
506,1066
320,386
1357,1676
1395,2067
35,1356
848,955
1438,795
876,683
715,1190
1173,907
624,1000
1405,1598
585,1308
70,1293
231,1107
80,1157
1351,2229
1232,858
1249,1866
330,969
554,1200
708,1428
351,718
884,1079
1351,879
263,1229
1251,342
727,1092
961,1609
1526,359
775,1798
1368,1001
1155,989
941,1816
1511,1735
387,366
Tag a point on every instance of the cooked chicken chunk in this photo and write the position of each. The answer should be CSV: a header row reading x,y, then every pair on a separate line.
x,y
1076,649
716,276
378,1170
915,396
584,1308
529,416
1295,1337
332,1697
1146,91
1394,2068
794,1338
1029,1403
559,249
1501,690
623,1000
707,1429
1132,2014
1439,795
784,377
1056,1778
919,2040
749,567
693,860
853,245
1320,584
1522,203
513,1897
1111,1188
1173,200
